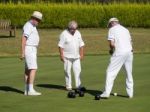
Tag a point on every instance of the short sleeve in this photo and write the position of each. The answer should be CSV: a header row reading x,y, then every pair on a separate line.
x,y
81,41
110,35
130,37
61,40
27,30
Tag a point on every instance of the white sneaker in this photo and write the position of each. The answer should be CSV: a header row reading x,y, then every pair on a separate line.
x,y
130,97
25,93
68,89
34,93
104,95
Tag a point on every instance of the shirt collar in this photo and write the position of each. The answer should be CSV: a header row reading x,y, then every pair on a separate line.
x,y
32,23
70,33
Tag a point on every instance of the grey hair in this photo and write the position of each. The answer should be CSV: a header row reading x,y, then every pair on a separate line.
x,y
72,24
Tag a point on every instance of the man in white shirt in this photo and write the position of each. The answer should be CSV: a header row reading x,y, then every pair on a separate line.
x,y
71,51
30,41
121,55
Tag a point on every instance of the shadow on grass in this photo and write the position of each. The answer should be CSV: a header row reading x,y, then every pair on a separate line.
x,y
52,86
4,36
119,95
10,89
93,92
60,87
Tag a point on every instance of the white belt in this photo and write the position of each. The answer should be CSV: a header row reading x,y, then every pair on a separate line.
x,y
32,45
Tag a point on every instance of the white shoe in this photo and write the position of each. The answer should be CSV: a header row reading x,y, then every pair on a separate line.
x,y
34,93
25,93
104,95
130,97
68,89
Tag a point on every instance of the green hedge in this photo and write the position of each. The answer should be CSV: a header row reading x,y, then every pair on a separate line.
x,y
58,15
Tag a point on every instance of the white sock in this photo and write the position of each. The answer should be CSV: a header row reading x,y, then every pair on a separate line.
x,y
26,88
31,87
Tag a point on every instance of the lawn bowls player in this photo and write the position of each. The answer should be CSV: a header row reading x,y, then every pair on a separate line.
x,y
121,55
71,52
30,41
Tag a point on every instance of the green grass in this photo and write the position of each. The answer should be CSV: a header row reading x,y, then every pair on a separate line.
x,y
95,40
54,98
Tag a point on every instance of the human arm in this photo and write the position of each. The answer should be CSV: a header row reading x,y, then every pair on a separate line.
x,y
61,54
111,46
23,43
61,46
81,52
26,33
111,41
81,44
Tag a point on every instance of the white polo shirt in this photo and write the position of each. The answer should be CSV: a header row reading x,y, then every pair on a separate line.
x,y
122,39
71,43
31,33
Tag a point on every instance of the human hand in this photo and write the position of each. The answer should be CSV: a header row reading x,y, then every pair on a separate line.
x,y
22,57
81,57
111,51
62,58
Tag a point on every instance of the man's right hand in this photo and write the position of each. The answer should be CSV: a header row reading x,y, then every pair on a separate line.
x,y
22,57
111,51
112,47
62,58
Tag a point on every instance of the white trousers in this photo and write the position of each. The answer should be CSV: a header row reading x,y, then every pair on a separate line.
x,y
31,57
116,62
75,64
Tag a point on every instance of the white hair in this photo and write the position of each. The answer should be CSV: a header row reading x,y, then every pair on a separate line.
x,y
72,24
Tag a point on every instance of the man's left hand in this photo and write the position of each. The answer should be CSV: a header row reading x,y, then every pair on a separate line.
x,y
81,57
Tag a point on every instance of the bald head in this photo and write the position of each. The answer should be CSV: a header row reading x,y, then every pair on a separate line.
x,y
72,26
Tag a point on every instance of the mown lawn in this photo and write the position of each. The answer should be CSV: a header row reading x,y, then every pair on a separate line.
x,y
50,81
95,40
